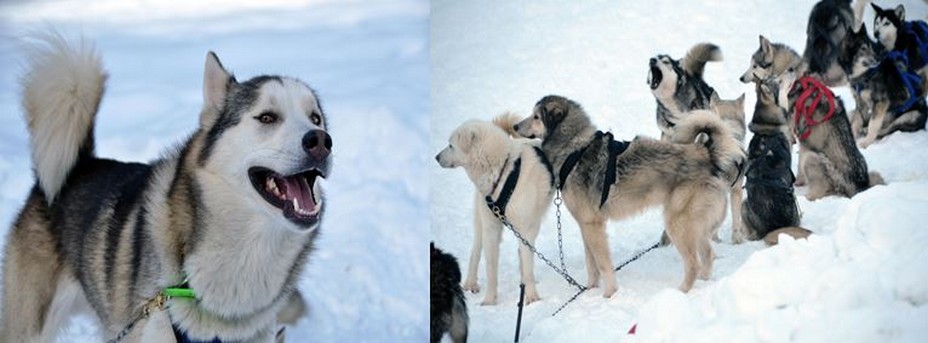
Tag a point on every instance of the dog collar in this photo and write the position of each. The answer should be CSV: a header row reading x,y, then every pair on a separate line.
x,y
179,291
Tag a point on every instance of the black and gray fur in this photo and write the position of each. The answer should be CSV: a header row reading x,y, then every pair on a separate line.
x,y
448,306
112,235
832,163
830,23
689,180
878,88
771,203
678,85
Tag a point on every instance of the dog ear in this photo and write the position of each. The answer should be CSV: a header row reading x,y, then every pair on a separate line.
x,y
740,100
216,81
765,45
900,13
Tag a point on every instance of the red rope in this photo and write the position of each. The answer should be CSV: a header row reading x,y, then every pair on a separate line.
x,y
811,87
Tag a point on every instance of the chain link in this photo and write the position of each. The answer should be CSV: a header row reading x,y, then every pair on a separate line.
x,y
502,218
560,239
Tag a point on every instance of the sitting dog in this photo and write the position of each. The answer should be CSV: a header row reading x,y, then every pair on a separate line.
x,y
513,175
448,307
832,163
770,206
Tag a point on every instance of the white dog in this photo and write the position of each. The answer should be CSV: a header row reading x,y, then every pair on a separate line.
x,y
489,156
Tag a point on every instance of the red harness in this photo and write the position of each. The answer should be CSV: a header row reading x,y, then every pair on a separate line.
x,y
811,87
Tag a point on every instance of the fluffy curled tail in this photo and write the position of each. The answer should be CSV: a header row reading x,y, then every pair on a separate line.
x,y
695,61
705,128
62,88
507,121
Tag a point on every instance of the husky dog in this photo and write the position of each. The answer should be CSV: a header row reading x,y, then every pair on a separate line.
x,y
894,33
448,307
830,22
732,114
512,173
881,92
690,181
771,60
678,86
832,163
770,207
230,214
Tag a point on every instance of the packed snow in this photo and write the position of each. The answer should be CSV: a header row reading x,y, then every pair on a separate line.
x,y
368,61
862,277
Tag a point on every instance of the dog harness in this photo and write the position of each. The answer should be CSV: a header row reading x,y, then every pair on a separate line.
x,y
918,50
811,88
909,79
508,187
614,149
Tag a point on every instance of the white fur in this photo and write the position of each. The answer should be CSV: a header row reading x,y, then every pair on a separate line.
x,y
486,152
69,300
61,94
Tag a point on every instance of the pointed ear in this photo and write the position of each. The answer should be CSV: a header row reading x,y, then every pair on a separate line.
x,y
764,45
876,8
216,82
900,13
740,100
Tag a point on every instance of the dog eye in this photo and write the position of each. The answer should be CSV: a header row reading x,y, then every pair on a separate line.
x,y
267,118
315,118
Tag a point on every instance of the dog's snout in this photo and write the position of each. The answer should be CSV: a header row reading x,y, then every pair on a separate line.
x,y
652,61
317,143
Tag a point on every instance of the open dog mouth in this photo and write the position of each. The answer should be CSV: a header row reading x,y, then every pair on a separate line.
x,y
293,194
655,75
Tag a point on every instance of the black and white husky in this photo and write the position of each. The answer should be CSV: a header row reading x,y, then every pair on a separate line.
x,y
203,244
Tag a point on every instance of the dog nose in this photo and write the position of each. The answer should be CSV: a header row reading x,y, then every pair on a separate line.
x,y
652,61
437,158
317,143
515,127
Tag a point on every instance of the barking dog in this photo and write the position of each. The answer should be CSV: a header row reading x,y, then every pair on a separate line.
x,y
678,86
231,214
512,173
691,181
448,308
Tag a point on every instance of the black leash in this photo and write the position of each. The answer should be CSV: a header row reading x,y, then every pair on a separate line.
x,y
508,187
521,304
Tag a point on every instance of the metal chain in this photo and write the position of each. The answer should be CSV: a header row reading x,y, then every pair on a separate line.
x,y
502,218
560,239
638,255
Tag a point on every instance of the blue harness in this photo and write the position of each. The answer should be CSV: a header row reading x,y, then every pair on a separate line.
x,y
910,80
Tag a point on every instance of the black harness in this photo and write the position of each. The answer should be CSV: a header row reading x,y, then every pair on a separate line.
x,y
181,336
614,149
508,187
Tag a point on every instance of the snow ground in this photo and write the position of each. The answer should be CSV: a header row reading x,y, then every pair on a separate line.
x,y
368,60
862,278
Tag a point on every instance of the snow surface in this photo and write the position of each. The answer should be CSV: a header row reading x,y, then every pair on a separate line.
x,y
862,278
368,60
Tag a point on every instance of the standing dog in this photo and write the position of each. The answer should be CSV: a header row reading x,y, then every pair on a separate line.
x,y
513,174
832,163
732,114
770,207
231,214
691,181
678,86
448,307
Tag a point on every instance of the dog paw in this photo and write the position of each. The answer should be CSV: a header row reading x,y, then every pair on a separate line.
x,y
705,275
531,297
488,301
471,286
863,144
592,283
609,291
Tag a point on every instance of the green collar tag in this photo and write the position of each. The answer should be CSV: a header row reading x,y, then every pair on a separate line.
x,y
180,291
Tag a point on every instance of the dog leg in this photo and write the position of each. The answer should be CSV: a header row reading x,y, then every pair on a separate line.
x,y
738,235
910,121
598,241
876,124
819,185
706,259
31,273
492,236
470,283
592,273
801,175
857,122
527,262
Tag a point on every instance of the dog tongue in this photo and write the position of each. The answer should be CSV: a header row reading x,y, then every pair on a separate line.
x,y
298,188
